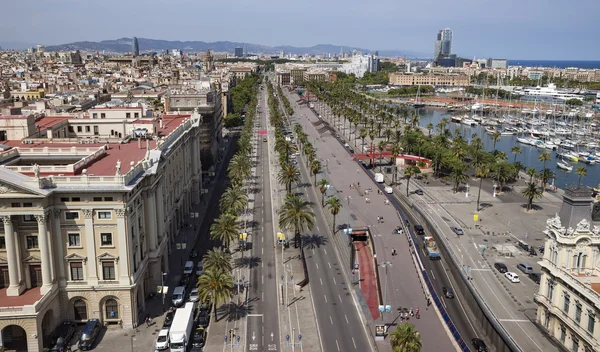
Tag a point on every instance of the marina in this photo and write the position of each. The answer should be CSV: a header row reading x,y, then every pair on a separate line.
x,y
571,141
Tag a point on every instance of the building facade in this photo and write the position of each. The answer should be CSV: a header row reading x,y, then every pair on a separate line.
x,y
135,47
436,80
569,295
239,52
92,243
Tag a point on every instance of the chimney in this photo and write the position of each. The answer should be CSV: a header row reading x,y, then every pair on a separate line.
x,y
576,206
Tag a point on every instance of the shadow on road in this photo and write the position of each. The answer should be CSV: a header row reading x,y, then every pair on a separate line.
x,y
247,262
313,241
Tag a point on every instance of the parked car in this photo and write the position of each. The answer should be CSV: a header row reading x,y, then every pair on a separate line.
x,y
419,192
61,336
448,293
200,268
524,246
198,340
162,341
193,253
168,320
178,297
184,281
501,267
512,277
89,334
479,345
264,140
457,230
194,296
188,268
536,277
526,268
203,319
398,230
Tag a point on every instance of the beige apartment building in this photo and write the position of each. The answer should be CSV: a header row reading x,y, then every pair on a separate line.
x,y
87,228
569,295
422,79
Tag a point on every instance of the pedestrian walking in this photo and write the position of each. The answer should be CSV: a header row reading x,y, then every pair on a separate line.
x,y
378,219
358,183
357,170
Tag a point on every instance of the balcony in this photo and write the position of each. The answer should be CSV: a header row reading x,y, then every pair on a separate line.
x,y
581,284
26,303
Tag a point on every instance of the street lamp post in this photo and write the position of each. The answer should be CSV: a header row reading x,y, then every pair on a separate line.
x,y
162,289
385,265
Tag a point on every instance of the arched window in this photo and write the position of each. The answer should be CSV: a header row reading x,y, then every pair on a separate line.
x,y
80,310
112,309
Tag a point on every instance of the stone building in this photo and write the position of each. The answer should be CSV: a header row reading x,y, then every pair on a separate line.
x,y
436,80
569,295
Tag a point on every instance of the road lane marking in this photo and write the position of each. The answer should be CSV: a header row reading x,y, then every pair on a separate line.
x,y
325,298
313,252
354,343
318,228
340,297
337,344
262,298
262,251
325,251
335,283
321,281
262,279
317,264
345,316
329,265
432,274
331,320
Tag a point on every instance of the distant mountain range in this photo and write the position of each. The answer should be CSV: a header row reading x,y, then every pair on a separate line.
x,y
123,45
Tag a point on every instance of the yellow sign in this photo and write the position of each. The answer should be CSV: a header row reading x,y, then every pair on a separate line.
x,y
243,236
281,236
476,217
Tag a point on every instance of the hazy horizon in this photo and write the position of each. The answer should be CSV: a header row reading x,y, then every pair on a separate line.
x,y
516,30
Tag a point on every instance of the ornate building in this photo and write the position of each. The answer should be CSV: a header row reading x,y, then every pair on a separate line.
x,y
91,239
569,296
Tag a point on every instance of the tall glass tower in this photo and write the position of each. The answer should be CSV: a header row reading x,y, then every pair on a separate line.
x,y
443,44
135,47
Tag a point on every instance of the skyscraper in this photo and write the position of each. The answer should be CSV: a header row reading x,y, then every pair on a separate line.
x,y
135,47
239,52
443,44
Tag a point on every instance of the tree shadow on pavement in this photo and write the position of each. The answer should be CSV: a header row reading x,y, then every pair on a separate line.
x,y
313,241
533,206
247,262
237,311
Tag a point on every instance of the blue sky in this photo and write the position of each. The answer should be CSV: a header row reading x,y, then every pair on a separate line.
x,y
513,29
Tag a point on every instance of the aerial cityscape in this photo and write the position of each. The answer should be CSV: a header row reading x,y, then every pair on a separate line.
x,y
249,190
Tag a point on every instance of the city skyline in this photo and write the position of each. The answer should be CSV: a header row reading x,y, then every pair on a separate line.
x,y
478,32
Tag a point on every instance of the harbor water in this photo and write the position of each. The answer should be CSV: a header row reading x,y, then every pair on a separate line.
x,y
529,156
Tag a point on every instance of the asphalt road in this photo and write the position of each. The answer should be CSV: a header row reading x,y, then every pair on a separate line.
x,y
341,327
262,332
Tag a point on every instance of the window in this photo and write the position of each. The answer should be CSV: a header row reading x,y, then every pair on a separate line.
x,y
2,243
80,310
567,303
79,129
76,271
591,321
87,128
102,115
71,215
575,347
578,312
127,115
27,205
95,115
104,215
32,242
75,199
74,240
563,334
28,218
96,130
108,270
112,309
64,199
106,239
97,199
108,199
136,114
15,205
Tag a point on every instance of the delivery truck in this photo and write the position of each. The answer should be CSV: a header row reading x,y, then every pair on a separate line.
x,y
181,329
431,248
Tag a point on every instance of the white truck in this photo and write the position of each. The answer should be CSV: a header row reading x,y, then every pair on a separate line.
x,y
181,329
379,177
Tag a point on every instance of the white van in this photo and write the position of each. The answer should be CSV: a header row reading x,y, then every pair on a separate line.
x,y
178,297
162,341
188,268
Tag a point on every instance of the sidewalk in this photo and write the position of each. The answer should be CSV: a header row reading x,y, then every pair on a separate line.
x,y
404,287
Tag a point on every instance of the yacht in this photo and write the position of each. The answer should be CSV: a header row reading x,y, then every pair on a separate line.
x,y
549,92
526,140
588,160
469,122
567,154
561,164
455,118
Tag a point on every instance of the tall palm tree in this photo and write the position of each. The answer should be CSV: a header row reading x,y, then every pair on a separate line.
x,y
516,150
429,128
482,171
531,192
496,137
239,169
381,146
224,229
581,172
458,175
216,258
405,339
315,168
296,214
363,134
323,184
396,150
233,200
531,172
410,172
287,175
335,205
544,157
216,285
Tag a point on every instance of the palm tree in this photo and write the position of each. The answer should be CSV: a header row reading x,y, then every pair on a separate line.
x,y
581,172
408,173
315,168
531,172
224,229
496,137
233,200
239,168
287,175
429,128
335,205
216,285
216,258
458,175
531,192
363,134
381,146
544,157
516,150
482,171
405,339
296,213
323,184
395,150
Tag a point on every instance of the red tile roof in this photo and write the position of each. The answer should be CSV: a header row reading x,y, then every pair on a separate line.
x,y
49,121
126,153
28,297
